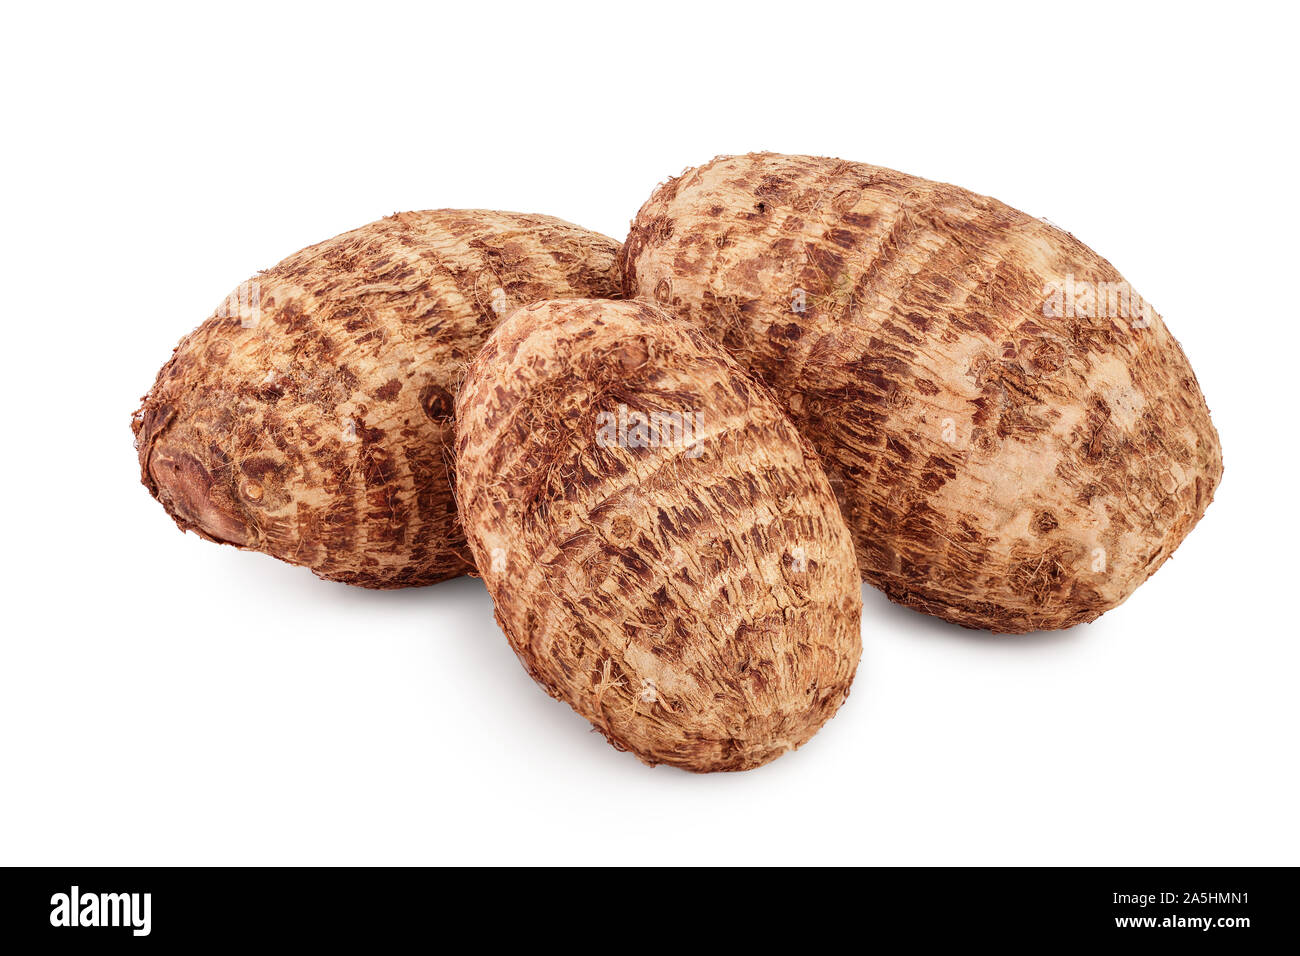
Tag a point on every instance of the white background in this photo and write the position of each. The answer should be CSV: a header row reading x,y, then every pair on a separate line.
x,y
164,700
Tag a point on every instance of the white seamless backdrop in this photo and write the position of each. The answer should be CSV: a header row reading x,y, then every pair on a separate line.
x,y
164,700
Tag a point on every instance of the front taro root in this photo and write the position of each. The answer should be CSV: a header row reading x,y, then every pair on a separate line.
x,y
310,417
664,552
1016,439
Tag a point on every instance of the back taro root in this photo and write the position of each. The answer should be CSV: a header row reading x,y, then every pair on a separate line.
x,y
310,417
664,551
1015,438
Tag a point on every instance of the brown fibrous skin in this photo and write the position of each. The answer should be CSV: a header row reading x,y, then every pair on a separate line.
x,y
311,416
694,595
1007,458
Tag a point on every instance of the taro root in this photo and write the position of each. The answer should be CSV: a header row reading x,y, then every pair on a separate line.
x,y
310,416
1015,438
664,551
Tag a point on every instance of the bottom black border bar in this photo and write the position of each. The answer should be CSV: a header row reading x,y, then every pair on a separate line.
x,y
1175,905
